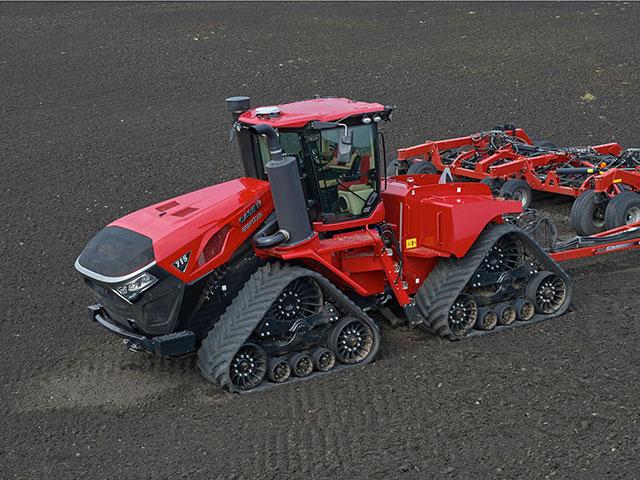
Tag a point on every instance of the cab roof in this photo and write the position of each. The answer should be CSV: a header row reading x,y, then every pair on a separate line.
x,y
298,114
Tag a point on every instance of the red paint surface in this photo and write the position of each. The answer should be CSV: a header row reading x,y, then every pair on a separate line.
x,y
298,114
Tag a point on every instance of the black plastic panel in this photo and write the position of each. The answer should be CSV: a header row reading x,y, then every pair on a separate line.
x,y
154,312
116,251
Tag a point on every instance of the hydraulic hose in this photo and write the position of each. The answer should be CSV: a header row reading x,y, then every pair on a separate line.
x,y
268,235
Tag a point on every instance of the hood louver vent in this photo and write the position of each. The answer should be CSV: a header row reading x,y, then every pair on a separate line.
x,y
184,212
166,206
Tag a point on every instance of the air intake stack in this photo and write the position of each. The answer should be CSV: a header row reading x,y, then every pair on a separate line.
x,y
237,106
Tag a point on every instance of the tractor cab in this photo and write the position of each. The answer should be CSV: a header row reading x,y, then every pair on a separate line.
x,y
335,141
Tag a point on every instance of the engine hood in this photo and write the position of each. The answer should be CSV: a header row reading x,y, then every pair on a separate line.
x,y
185,225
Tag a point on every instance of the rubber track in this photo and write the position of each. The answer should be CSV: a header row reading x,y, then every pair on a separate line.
x,y
247,310
449,277
211,305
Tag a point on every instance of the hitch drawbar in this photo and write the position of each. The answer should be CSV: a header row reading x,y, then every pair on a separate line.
x,y
413,316
171,345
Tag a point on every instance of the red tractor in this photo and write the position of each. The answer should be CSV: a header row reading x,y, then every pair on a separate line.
x,y
273,276
604,179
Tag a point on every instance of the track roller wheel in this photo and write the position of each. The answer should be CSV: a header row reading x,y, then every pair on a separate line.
x,y
353,340
421,167
279,370
506,314
524,309
301,365
588,213
248,367
623,209
463,314
323,359
517,190
547,292
487,319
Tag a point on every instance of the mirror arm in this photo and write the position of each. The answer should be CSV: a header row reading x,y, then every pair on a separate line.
x,y
384,158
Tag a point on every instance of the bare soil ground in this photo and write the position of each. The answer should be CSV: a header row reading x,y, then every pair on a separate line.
x,y
107,108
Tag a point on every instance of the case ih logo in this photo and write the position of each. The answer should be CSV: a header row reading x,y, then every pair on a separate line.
x,y
250,212
251,222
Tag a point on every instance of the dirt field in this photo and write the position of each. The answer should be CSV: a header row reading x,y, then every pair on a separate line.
x,y
107,108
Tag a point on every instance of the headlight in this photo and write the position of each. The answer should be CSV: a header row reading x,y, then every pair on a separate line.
x,y
129,291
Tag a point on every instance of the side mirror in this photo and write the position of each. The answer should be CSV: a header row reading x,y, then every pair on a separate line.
x,y
344,148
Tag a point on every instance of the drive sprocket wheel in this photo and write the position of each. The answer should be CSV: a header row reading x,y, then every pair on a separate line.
x,y
507,254
248,367
353,340
300,298
547,291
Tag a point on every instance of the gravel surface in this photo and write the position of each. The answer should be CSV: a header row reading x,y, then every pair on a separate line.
x,y
108,108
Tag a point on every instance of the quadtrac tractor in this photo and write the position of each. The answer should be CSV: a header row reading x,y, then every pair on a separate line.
x,y
273,276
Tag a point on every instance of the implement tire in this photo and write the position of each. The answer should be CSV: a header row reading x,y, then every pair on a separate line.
x,y
623,209
588,213
422,167
517,190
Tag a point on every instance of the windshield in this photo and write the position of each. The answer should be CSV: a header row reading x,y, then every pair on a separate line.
x,y
345,183
290,142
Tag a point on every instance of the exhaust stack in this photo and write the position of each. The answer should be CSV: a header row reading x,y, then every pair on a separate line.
x,y
288,199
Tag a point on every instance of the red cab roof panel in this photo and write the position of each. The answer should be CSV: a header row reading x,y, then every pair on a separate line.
x,y
298,114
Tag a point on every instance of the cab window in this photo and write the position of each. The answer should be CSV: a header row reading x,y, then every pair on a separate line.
x,y
345,183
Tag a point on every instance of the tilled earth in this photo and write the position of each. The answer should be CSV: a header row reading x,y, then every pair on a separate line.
x,y
107,108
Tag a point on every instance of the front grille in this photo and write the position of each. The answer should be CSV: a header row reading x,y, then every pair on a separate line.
x,y
154,312
118,310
